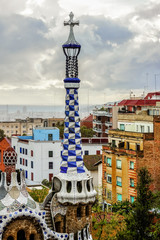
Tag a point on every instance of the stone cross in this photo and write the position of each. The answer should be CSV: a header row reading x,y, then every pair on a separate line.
x,y
71,23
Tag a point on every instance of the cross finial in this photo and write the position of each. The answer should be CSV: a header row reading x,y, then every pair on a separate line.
x,y
71,23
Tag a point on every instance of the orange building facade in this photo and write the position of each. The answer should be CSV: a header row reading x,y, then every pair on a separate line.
x,y
123,156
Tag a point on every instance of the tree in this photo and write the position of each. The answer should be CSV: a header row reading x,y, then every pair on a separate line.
x,y
140,219
87,132
39,194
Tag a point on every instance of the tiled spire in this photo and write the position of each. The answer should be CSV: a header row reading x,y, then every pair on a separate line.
x,y
72,157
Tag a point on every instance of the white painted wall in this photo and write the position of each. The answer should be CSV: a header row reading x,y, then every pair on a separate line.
x,y
92,148
136,126
40,158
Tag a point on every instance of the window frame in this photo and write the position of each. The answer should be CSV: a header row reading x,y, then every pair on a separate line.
x,y
132,199
130,165
109,163
119,195
118,160
32,164
50,165
109,178
132,181
50,137
50,153
109,194
119,183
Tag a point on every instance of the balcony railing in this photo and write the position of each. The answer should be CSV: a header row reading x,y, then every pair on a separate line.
x,y
97,122
99,130
102,113
108,124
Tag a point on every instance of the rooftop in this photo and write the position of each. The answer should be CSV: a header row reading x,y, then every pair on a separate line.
x,y
140,102
91,160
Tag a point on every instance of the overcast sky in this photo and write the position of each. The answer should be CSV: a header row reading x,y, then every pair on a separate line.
x,y
120,49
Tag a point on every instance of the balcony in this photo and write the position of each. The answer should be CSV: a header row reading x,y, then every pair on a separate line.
x,y
98,130
108,124
97,122
106,131
102,113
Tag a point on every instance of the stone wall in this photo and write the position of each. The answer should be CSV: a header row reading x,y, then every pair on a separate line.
x,y
71,223
75,223
26,224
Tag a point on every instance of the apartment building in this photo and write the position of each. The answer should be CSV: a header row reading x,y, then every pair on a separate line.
x,y
123,156
104,119
25,126
38,155
21,126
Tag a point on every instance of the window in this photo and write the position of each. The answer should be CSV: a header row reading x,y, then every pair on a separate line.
x,y
131,165
14,147
119,181
86,152
32,176
119,197
131,182
105,174
50,165
113,143
131,199
127,145
98,152
50,153
26,173
31,153
148,129
23,161
20,160
20,150
109,162
137,147
79,212
31,164
26,162
26,152
50,137
142,129
23,150
137,128
109,195
109,178
119,164
122,127
50,177
87,211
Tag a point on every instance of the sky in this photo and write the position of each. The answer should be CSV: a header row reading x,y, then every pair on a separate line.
x,y
120,52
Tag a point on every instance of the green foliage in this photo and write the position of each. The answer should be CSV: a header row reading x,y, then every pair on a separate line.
x,y
46,183
39,194
86,132
105,224
139,220
61,128
122,208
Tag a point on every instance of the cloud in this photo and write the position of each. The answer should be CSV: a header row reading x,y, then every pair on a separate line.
x,y
116,53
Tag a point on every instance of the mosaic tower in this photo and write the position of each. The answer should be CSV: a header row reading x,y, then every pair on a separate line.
x,y
72,175
73,186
